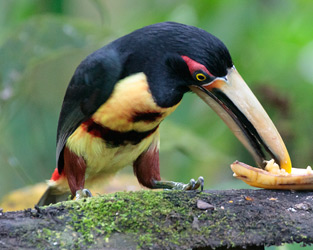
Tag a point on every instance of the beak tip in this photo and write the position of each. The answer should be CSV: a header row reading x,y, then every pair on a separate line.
x,y
286,165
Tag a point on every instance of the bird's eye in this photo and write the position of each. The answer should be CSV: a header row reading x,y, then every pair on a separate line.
x,y
198,71
200,77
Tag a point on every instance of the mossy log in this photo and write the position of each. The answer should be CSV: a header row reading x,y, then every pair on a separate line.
x,y
233,219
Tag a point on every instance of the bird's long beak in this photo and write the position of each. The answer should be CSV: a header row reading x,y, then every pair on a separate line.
x,y
234,102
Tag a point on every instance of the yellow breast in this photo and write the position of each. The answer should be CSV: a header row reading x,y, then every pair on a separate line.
x,y
130,100
129,110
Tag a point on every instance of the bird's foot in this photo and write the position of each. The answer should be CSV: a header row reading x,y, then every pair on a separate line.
x,y
192,185
82,193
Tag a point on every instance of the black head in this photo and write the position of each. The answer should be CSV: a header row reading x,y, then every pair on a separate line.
x,y
173,56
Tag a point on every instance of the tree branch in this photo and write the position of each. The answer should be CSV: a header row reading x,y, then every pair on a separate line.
x,y
165,220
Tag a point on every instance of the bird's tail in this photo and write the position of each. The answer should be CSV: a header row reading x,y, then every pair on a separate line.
x,y
57,190
52,196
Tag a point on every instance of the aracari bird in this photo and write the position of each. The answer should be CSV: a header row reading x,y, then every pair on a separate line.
x,y
119,95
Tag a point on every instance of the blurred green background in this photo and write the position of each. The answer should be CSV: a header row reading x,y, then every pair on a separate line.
x,y
42,42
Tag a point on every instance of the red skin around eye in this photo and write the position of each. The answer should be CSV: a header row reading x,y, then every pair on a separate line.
x,y
195,66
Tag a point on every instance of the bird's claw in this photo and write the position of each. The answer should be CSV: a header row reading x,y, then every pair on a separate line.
x,y
82,193
192,185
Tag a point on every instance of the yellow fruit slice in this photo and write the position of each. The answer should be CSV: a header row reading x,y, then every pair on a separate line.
x,y
273,177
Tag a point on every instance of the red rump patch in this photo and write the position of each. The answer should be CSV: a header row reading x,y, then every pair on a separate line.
x,y
195,66
56,176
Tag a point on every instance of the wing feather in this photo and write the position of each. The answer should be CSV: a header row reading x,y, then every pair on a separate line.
x,y
90,87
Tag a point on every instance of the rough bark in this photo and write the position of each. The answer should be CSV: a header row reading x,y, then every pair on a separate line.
x,y
164,220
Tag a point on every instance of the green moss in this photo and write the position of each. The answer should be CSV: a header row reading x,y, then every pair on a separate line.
x,y
168,219
128,213
164,217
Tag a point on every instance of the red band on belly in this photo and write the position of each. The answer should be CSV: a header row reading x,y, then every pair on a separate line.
x,y
115,138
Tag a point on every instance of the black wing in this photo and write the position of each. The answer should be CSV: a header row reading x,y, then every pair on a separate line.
x,y
90,87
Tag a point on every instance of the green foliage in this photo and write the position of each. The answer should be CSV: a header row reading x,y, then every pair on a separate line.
x,y
42,42
31,94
